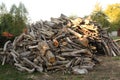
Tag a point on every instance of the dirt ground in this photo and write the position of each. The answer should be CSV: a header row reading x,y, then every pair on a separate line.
x,y
109,69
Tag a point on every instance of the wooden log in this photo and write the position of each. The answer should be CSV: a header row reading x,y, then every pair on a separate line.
x,y
83,39
45,51
60,62
76,22
22,68
50,56
4,59
6,45
31,47
56,67
75,33
60,58
14,57
69,64
77,61
38,68
117,40
13,51
25,54
78,53
77,46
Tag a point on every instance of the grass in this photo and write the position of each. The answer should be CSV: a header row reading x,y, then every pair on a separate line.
x,y
8,72
116,58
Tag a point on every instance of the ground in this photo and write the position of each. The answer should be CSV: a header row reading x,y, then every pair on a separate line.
x,y
109,69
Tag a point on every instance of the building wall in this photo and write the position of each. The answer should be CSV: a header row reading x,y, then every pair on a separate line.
x,y
113,33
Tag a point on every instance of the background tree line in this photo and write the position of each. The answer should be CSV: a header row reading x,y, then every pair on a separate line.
x,y
12,22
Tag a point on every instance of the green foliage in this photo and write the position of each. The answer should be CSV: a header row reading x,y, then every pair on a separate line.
x,y
6,23
8,72
19,12
3,9
99,16
13,21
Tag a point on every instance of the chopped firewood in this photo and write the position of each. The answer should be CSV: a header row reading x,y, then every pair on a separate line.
x,y
60,44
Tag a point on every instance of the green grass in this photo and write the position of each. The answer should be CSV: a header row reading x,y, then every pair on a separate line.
x,y
116,58
8,72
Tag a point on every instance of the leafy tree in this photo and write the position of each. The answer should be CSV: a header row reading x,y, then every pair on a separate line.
x,y
3,9
6,23
19,11
113,12
13,22
99,16
20,16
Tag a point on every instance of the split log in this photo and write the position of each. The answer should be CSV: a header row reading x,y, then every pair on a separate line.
x,y
83,40
45,51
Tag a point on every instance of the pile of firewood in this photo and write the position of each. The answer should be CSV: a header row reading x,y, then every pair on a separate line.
x,y
70,45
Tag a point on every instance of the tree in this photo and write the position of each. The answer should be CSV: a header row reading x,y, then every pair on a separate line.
x,y
3,9
113,13
19,11
6,23
20,17
23,11
12,22
97,7
99,16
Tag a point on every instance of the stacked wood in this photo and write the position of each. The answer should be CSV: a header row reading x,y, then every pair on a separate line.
x,y
70,45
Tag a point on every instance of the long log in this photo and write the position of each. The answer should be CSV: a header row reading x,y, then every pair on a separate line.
x,y
78,53
39,69
22,68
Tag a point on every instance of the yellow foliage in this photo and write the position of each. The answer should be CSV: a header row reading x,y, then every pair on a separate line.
x,y
113,12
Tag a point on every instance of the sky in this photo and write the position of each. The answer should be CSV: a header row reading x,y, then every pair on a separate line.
x,y
45,9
